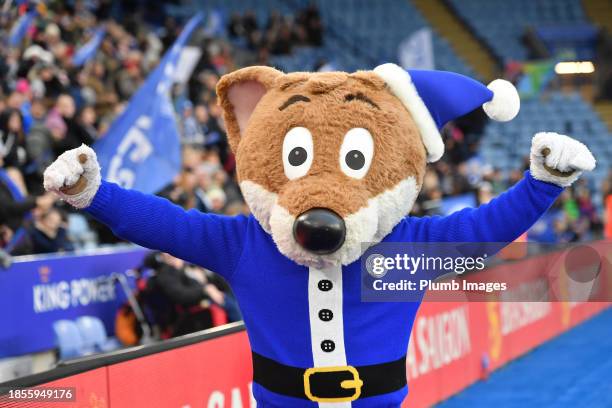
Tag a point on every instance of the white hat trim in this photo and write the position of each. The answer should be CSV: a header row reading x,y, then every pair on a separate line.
x,y
400,83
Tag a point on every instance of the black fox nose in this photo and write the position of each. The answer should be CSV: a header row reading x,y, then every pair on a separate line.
x,y
319,230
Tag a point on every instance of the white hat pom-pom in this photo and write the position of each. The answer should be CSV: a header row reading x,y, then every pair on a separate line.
x,y
505,104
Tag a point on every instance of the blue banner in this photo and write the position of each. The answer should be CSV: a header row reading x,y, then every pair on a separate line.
x,y
89,49
20,28
38,290
141,149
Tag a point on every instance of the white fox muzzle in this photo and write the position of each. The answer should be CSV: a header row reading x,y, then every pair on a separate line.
x,y
319,237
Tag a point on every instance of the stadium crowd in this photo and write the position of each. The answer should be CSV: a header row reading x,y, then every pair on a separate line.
x,y
573,217
48,105
280,34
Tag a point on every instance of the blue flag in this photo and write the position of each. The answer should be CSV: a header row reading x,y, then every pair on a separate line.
x,y
20,28
88,50
215,26
141,149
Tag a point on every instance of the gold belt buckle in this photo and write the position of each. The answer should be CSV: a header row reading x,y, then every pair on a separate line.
x,y
356,383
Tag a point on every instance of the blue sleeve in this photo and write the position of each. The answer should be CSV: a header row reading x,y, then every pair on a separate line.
x,y
503,219
212,241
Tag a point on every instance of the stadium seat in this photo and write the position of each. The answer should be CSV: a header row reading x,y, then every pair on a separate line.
x,y
94,334
503,34
68,340
80,233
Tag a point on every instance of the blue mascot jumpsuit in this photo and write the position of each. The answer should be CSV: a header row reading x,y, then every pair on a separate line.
x,y
300,318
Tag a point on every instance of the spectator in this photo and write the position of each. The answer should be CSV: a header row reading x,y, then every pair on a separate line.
x,y
86,120
280,34
181,296
12,138
192,131
48,233
16,205
76,134
39,144
130,78
48,81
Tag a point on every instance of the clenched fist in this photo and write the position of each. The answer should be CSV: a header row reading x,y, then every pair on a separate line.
x,y
559,159
74,176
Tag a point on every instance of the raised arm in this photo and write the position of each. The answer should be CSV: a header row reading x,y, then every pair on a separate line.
x,y
556,162
212,241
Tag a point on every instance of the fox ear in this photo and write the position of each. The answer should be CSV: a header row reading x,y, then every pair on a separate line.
x,y
239,93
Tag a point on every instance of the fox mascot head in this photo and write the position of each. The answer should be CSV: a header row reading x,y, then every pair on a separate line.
x,y
329,161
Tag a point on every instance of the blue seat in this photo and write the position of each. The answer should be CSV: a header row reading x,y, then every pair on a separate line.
x,y
79,231
94,334
68,339
504,35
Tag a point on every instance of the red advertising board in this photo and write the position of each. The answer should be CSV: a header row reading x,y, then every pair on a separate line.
x,y
452,345
215,373
450,341
448,344
88,390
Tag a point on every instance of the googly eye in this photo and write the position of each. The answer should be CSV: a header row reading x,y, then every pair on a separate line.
x,y
297,152
356,153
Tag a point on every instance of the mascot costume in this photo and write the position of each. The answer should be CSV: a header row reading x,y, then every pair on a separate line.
x,y
326,162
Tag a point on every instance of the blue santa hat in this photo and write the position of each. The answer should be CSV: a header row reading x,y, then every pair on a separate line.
x,y
436,97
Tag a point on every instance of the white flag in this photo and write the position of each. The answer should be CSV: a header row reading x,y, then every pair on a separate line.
x,y
186,64
416,51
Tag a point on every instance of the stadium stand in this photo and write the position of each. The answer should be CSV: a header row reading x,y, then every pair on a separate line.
x,y
502,24
61,112
506,144
382,26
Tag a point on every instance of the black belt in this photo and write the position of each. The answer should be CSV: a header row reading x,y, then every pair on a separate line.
x,y
329,384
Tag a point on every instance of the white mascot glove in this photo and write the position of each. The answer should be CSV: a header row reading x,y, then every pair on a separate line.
x,y
559,159
74,176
